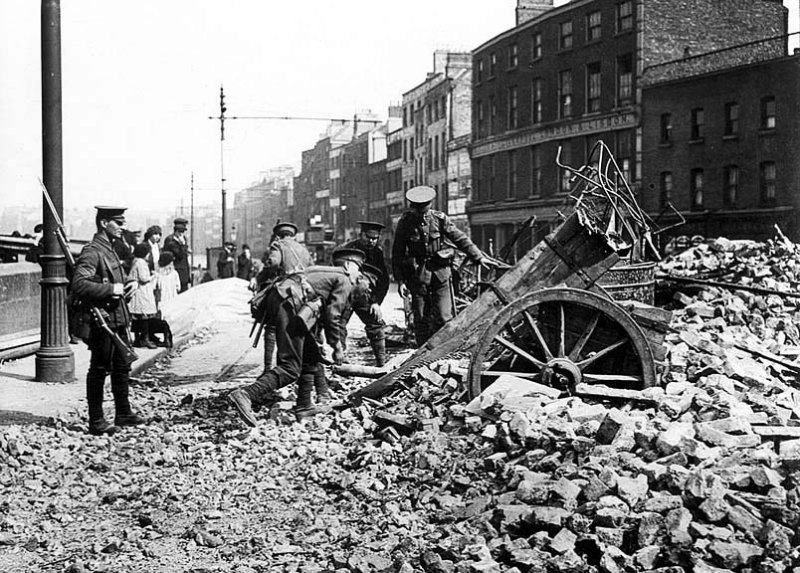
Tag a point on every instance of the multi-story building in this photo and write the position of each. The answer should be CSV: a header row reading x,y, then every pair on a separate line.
x,y
719,140
257,208
395,199
436,125
565,77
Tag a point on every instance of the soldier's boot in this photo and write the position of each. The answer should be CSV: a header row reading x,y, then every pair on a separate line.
x,y
98,425
378,344
120,382
321,387
240,400
303,407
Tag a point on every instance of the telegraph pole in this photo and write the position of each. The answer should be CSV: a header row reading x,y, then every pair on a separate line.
x,y
222,110
54,359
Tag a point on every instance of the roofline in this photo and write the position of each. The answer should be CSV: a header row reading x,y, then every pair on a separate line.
x,y
721,71
547,15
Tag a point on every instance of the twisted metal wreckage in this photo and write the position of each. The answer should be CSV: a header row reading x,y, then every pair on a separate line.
x,y
548,317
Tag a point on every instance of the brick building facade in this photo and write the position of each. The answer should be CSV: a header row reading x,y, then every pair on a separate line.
x,y
436,125
565,77
720,145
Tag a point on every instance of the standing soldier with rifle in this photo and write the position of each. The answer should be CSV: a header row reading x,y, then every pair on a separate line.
x,y
369,311
421,261
99,283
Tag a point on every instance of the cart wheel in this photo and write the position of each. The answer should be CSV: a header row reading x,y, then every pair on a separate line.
x,y
561,337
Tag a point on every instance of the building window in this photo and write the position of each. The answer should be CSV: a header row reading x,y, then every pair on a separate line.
x,y
768,112
625,79
512,107
593,87
565,35
666,128
492,64
625,16
565,93
536,172
492,177
435,152
443,107
479,75
593,28
665,188
565,174
411,114
696,184
513,55
513,175
405,117
698,124
492,115
768,173
536,46
444,151
731,182
429,112
481,119
536,100
731,118
624,154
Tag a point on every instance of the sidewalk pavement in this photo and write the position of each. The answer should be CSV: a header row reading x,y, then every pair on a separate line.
x,y
216,304
219,307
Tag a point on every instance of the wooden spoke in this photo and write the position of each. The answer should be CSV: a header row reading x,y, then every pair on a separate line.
x,y
535,328
519,351
587,334
598,355
562,332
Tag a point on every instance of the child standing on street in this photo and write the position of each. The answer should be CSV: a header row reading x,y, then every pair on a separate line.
x,y
143,301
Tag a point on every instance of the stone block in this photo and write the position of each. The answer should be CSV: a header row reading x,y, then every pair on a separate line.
x,y
632,490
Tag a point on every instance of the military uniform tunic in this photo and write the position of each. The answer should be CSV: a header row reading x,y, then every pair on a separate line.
x,y
421,261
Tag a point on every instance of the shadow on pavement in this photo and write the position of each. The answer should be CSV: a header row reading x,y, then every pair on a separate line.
x,y
9,417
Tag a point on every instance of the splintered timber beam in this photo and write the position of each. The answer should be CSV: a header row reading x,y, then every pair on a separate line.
x,y
570,256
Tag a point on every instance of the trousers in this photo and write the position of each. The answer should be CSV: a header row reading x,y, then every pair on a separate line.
x,y
105,359
297,360
432,305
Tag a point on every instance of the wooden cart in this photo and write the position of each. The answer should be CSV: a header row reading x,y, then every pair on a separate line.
x,y
547,318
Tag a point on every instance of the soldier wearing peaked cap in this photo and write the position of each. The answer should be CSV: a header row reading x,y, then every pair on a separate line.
x,y
177,245
100,280
369,310
421,261
285,256
296,307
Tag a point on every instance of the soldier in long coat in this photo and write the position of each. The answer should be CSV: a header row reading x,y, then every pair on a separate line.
x,y
99,280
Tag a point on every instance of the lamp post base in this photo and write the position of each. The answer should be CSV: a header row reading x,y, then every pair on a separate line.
x,y
55,365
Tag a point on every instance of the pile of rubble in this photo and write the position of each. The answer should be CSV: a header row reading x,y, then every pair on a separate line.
x,y
701,473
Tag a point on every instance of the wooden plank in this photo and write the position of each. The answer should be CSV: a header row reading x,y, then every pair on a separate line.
x,y
540,268
604,392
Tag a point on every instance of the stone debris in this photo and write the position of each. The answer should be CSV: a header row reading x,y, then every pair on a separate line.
x,y
699,474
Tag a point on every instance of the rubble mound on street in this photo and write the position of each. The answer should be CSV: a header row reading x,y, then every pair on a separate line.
x,y
699,474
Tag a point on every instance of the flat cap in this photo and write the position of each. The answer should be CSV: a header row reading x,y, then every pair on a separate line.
x,y
372,272
285,228
346,254
420,194
109,212
371,228
180,222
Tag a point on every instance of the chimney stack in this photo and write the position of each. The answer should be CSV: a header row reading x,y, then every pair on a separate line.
x,y
530,9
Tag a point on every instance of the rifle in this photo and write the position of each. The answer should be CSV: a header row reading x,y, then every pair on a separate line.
x,y
96,313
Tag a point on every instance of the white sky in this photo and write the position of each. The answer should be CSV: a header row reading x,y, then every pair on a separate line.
x,y
141,78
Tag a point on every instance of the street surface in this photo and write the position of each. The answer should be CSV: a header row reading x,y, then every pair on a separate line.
x,y
195,490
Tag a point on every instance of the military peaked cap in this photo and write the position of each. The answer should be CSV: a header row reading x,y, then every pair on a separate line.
x,y
371,228
285,228
420,194
110,213
345,254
